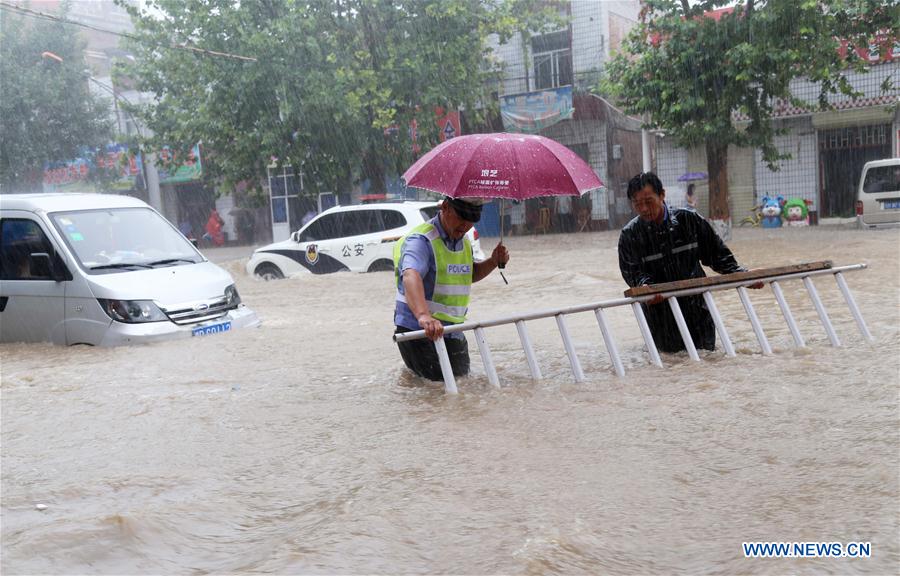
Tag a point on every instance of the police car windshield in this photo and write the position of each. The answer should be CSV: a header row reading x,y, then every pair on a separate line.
x,y
101,240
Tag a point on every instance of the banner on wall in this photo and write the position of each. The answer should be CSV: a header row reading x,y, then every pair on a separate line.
x,y
172,171
113,167
531,112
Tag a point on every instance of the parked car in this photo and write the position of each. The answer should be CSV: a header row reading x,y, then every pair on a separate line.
x,y
104,270
359,238
878,197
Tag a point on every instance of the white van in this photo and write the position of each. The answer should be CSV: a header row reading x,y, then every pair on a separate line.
x,y
105,270
878,197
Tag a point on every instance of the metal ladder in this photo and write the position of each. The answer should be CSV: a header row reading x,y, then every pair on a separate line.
x,y
720,283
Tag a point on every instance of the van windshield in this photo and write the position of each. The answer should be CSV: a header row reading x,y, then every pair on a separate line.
x,y
122,239
882,179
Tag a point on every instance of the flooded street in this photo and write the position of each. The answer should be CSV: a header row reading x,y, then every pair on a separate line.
x,y
305,446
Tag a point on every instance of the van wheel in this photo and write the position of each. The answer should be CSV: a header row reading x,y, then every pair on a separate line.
x,y
268,272
381,266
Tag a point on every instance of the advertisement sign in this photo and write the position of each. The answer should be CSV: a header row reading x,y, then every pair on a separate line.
x,y
113,167
448,123
171,171
531,112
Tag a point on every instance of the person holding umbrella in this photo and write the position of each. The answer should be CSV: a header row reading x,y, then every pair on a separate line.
x,y
434,271
467,170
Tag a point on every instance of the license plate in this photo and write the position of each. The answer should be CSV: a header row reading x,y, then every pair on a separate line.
x,y
891,204
211,329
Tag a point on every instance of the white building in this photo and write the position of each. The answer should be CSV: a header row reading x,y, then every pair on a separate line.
x,y
574,56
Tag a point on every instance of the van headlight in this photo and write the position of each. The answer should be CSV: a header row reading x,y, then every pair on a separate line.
x,y
232,298
132,311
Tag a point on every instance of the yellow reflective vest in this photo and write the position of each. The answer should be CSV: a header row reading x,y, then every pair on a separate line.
x,y
453,278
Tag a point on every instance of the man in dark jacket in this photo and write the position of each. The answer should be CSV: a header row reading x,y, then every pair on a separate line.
x,y
664,244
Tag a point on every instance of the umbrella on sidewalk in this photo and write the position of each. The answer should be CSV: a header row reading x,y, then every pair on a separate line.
x,y
692,176
501,165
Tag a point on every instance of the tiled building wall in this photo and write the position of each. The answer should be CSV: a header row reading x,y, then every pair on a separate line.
x,y
796,177
671,162
592,133
896,134
511,58
589,40
869,83
590,21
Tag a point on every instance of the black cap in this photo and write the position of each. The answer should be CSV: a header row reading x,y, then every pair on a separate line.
x,y
468,209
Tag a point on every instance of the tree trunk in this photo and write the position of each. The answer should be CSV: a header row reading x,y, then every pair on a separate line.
x,y
717,164
373,170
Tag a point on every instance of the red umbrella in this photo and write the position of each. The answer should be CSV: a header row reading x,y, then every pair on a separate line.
x,y
514,166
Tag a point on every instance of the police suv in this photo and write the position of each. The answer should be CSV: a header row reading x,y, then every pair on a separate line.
x,y
359,238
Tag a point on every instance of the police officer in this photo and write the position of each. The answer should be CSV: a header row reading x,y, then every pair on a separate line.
x,y
434,271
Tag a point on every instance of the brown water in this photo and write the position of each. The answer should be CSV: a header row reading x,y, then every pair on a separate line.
x,y
305,446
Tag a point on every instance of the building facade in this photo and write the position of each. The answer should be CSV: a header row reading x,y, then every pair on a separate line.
x,y
827,149
574,56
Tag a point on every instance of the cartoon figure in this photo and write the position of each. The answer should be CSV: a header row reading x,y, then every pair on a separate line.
x,y
771,212
796,212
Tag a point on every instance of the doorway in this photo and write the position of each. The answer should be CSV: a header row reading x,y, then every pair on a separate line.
x,y
842,154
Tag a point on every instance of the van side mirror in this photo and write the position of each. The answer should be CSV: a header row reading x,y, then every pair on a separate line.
x,y
195,243
295,236
40,265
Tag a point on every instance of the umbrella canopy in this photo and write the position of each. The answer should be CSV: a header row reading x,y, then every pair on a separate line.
x,y
691,176
513,166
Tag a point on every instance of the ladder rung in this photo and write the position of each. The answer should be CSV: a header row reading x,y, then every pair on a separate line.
x,y
610,342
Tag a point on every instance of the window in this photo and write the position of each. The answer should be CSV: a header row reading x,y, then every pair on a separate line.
x,y
323,228
882,179
353,223
106,241
20,239
552,59
392,219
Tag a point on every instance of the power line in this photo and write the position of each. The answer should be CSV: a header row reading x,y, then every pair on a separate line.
x,y
52,18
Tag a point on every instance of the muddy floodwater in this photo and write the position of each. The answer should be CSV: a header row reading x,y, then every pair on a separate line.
x,y
305,446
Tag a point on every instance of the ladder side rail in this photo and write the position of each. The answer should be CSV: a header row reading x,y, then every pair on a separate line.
x,y
610,342
486,358
446,368
820,309
788,317
527,316
754,320
570,348
732,285
854,309
683,330
720,325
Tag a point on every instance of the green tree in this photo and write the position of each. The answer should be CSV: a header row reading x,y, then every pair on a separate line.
x,y
693,73
47,112
333,87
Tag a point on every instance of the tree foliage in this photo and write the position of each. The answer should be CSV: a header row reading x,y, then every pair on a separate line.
x,y
715,81
47,112
334,86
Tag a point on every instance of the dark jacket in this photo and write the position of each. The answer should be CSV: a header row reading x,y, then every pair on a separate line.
x,y
652,253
